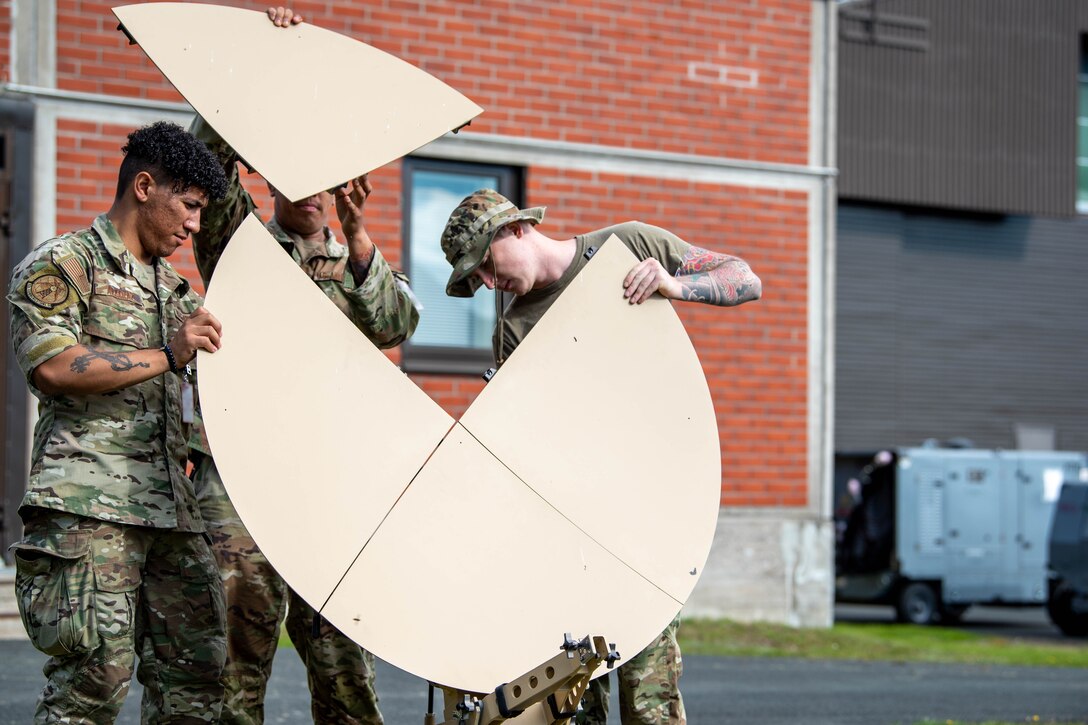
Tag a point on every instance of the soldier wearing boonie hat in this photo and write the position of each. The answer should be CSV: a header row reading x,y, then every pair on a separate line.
x,y
469,231
537,268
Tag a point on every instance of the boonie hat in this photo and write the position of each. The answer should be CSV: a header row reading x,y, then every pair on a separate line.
x,y
469,232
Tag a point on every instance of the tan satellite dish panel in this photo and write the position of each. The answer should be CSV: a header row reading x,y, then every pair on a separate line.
x,y
306,107
487,556
306,418
608,417
473,579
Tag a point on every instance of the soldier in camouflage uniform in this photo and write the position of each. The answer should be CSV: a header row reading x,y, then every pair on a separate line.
x,y
649,686
113,551
489,241
376,298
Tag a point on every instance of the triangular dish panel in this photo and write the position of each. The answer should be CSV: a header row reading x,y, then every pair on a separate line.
x,y
473,579
314,431
352,107
604,411
465,564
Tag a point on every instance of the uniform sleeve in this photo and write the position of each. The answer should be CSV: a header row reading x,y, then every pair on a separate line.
x,y
382,306
48,294
220,219
646,240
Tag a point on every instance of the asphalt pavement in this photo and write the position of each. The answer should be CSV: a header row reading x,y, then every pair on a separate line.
x,y
767,691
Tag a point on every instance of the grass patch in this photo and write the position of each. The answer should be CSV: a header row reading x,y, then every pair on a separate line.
x,y
878,642
886,642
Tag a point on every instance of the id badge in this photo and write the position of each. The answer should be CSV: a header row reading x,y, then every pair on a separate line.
x,y
186,400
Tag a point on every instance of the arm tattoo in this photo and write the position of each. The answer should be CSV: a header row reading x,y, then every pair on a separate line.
x,y
360,269
717,279
119,362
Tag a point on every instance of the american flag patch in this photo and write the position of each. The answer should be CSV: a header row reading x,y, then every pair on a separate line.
x,y
76,274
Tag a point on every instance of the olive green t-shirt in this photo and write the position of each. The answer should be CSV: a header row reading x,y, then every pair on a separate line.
x,y
643,240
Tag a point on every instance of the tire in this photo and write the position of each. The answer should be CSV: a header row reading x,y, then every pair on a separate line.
x,y
917,603
1060,608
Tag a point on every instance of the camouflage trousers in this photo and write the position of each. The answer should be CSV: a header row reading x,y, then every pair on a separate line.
x,y
649,686
340,673
92,592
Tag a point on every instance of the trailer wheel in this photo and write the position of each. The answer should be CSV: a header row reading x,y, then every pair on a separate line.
x,y
917,603
1060,608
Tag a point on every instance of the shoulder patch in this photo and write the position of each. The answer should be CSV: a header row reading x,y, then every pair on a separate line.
x,y
74,271
47,289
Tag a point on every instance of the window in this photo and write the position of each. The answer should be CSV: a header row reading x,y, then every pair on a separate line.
x,y
454,334
1082,130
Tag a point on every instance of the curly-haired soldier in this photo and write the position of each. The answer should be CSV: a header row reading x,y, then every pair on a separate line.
x,y
177,159
113,551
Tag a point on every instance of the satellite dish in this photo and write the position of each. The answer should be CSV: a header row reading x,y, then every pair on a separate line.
x,y
565,500
338,107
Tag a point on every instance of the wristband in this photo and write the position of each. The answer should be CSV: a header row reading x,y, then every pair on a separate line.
x,y
170,358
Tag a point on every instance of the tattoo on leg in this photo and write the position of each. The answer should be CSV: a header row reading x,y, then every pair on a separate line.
x,y
119,361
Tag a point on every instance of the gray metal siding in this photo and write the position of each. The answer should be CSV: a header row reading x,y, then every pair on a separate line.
x,y
963,105
955,325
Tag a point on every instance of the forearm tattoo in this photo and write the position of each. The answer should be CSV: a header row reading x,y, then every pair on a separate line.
x,y
119,362
360,269
716,279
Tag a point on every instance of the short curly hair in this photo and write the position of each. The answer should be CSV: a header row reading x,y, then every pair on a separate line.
x,y
171,155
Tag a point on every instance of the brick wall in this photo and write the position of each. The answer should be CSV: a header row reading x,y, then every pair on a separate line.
x,y
712,77
5,44
94,57
754,356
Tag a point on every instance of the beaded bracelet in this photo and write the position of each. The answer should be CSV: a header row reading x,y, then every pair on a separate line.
x,y
170,358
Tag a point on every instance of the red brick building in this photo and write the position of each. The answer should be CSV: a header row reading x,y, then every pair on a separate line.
x,y
713,118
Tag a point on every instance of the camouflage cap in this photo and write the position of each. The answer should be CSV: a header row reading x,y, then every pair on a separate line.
x,y
469,232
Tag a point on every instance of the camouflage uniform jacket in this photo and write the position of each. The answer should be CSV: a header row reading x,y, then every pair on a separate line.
x,y
118,456
380,306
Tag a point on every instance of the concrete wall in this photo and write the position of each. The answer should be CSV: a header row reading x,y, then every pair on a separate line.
x,y
768,568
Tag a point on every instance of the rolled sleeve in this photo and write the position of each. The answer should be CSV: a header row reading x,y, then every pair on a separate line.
x,y
44,329
381,307
35,345
221,218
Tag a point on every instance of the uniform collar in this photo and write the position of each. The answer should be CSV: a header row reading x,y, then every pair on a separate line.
x,y
307,250
115,246
168,280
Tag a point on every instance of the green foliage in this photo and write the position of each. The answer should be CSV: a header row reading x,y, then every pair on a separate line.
x,y
888,642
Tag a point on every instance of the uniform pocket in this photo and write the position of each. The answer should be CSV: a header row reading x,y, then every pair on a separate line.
x,y
117,583
121,323
324,269
54,584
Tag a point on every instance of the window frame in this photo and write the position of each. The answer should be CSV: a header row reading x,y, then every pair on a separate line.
x,y
1081,164
443,359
